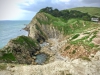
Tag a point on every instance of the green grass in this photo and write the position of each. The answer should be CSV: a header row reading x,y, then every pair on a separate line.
x,y
92,38
83,41
70,26
79,40
8,57
24,40
74,37
91,10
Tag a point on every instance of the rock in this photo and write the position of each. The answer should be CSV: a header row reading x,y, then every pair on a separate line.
x,y
38,30
23,48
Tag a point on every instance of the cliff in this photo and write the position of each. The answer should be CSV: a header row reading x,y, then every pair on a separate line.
x,y
41,27
22,49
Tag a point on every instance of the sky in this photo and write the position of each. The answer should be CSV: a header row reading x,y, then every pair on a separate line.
x,y
26,9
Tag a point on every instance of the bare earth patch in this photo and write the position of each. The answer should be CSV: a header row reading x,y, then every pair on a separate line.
x,y
96,41
75,51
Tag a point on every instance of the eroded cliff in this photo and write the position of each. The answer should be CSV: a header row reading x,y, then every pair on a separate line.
x,y
41,27
22,48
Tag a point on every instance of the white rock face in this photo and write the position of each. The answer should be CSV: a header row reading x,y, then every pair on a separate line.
x,y
32,31
74,67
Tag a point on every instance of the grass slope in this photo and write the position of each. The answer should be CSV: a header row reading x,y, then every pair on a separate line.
x,y
91,10
24,40
71,26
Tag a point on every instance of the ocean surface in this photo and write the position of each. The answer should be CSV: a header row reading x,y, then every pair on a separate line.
x,y
10,30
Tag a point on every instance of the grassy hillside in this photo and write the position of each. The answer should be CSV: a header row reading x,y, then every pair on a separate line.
x,y
71,26
91,10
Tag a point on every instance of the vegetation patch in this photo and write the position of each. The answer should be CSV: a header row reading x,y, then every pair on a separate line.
x,y
91,45
74,37
67,26
92,38
86,58
89,10
87,33
3,66
74,51
24,40
84,42
66,14
8,57
68,47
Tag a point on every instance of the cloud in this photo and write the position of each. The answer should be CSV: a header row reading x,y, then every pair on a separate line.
x,y
59,1
8,9
19,9
36,5
91,1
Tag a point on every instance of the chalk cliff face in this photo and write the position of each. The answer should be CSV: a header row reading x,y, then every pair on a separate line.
x,y
40,28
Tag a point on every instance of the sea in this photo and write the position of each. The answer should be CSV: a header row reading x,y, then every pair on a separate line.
x,y
10,29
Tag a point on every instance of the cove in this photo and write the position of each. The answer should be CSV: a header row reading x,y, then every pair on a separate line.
x,y
41,58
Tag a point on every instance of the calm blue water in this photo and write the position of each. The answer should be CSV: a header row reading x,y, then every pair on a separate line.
x,y
10,30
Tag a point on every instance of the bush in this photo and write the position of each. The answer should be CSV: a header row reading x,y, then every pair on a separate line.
x,y
3,66
86,58
74,51
74,37
8,57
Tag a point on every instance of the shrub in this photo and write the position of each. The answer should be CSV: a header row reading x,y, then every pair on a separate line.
x,y
74,51
8,57
3,66
74,37
86,58
68,47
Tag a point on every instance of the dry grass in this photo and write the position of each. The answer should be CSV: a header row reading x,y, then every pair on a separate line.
x,y
3,66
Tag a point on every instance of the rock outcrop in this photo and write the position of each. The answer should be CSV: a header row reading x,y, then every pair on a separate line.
x,y
40,28
23,48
